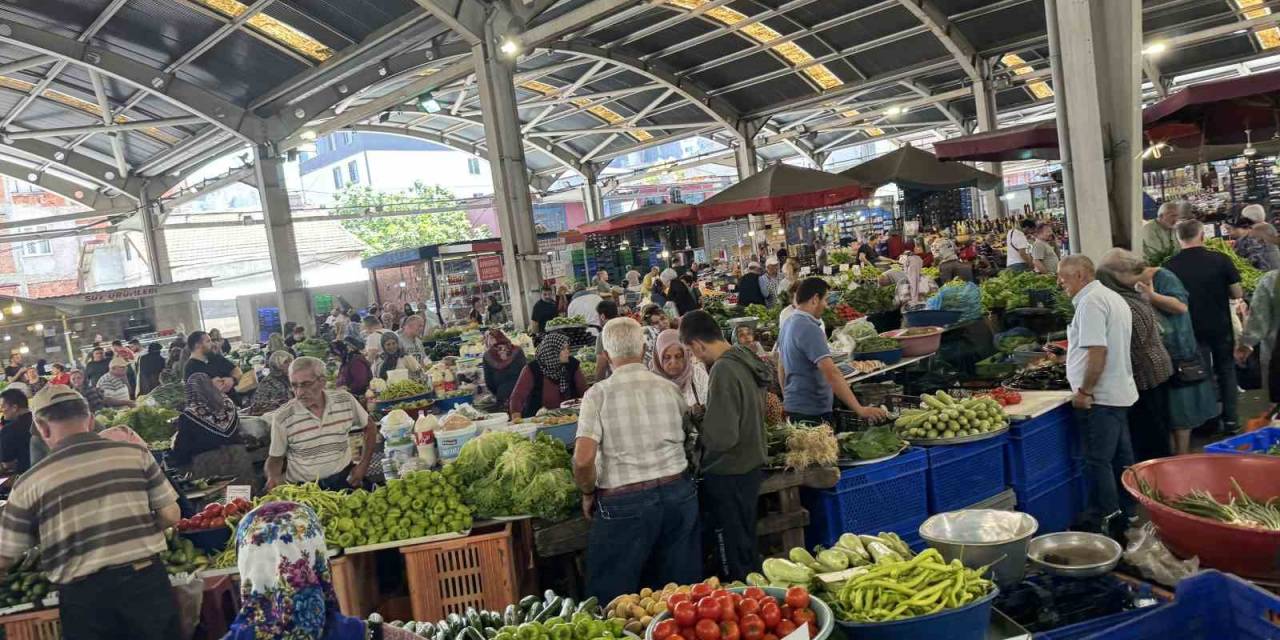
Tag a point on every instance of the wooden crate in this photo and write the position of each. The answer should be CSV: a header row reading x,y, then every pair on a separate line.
x,y
355,582
32,625
449,576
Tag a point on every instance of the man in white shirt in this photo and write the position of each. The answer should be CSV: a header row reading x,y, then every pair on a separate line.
x,y
629,463
1100,373
585,306
1018,248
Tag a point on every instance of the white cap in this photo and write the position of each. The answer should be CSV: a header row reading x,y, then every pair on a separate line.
x,y
1254,212
771,261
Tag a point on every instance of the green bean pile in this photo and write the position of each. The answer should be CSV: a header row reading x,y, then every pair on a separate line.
x,y
1239,509
923,585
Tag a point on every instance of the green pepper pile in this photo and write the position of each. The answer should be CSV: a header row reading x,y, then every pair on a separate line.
x,y
402,389
923,585
801,567
422,503
549,617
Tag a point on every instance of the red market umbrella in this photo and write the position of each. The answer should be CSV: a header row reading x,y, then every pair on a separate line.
x,y
666,212
913,168
779,189
1037,140
1218,112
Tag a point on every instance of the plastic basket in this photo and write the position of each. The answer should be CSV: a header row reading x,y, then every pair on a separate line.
x,y
1039,448
1054,502
962,474
450,576
1092,628
32,625
1209,605
869,497
969,622
448,404
1253,442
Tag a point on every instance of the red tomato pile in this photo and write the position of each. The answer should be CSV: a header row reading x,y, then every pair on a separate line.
x,y
216,515
1005,396
847,313
707,614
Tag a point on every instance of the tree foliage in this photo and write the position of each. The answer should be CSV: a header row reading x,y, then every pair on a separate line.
x,y
384,234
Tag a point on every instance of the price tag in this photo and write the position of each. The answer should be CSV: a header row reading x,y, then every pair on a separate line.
x,y
239,491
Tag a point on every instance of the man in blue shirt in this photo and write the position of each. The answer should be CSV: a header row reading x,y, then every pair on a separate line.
x,y
810,378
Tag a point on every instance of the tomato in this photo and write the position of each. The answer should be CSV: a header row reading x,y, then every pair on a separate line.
x,y
737,597
770,613
770,636
213,508
803,616
727,611
707,629
729,630
686,633
797,598
709,609
784,627
752,628
665,629
685,613
755,593
719,593
677,598
748,607
699,591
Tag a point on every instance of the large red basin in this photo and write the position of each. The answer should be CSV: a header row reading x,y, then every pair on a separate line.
x,y
1248,552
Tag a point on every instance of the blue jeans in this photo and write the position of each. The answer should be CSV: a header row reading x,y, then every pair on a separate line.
x,y
651,534
1104,432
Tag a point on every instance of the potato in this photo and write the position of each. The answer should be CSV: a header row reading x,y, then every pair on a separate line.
x,y
658,607
669,585
637,612
646,620
645,603
714,582
646,592
634,627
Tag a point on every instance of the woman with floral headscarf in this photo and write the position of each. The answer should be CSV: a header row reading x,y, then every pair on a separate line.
x,y
286,587
208,434
552,378
502,365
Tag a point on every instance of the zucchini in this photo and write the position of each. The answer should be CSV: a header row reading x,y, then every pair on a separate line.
x,y
549,595
566,609
532,614
473,618
510,616
588,606
552,608
455,623
527,602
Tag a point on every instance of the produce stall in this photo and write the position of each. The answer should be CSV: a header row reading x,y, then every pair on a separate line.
x,y
443,276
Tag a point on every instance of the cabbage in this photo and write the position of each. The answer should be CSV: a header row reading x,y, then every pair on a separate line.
x,y
479,455
551,495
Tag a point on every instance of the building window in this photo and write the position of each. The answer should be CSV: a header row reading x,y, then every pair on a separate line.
x,y
322,145
353,172
337,177
128,251
473,166
35,247
21,186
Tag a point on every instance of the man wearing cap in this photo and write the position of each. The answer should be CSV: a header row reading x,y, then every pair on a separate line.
x,y
769,280
97,509
115,385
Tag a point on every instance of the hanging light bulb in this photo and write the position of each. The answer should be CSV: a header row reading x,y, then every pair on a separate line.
x,y
24,349
1249,149
7,337
38,327
15,308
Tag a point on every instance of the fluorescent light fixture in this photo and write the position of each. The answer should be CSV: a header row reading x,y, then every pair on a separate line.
x,y
893,111
15,308
37,327
308,134
1008,196
1155,48
509,47
876,202
24,349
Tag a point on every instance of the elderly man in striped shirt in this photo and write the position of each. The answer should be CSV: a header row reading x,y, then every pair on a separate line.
x,y
629,462
324,436
97,509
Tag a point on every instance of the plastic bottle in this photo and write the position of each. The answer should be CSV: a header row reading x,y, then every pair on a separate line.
x,y
424,436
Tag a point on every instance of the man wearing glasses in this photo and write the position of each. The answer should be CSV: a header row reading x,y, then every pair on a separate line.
x,y
309,434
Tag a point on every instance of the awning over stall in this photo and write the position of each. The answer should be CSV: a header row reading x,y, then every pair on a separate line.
x,y
913,168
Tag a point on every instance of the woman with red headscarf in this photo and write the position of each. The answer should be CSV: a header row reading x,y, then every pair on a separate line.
x,y
503,363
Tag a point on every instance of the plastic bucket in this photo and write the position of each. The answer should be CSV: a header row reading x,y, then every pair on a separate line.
x,y
969,622
449,443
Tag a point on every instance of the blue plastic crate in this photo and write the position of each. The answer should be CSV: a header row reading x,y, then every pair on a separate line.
x,y
1207,606
1053,502
962,474
1039,448
1091,628
1253,442
870,497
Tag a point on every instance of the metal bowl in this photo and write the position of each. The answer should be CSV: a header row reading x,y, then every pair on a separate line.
x,y
983,537
1074,554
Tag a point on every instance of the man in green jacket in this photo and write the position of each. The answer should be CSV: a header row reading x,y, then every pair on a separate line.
x,y
731,441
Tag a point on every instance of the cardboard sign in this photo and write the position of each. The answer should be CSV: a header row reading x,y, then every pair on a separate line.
x,y
239,491
489,268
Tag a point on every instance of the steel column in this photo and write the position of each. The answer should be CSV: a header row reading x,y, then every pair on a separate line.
x,y
984,100
592,196
744,153
495,80
153,236
282,246
1100,73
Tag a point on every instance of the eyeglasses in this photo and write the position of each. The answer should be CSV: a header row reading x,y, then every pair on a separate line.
x,y
300,384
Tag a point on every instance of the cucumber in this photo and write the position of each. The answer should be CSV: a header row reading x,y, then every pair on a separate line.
x,y
532,613
510,616
527,602
552,608
567,608
588,606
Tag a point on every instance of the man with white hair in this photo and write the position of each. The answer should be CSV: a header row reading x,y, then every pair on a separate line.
x,y
1255,212
1100,372
314,432
1158,237
410,335
629,462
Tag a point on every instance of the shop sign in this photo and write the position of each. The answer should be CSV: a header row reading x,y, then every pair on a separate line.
x,y
489,268
129,293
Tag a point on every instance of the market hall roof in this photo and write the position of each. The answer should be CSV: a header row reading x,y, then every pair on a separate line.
x,y
98,97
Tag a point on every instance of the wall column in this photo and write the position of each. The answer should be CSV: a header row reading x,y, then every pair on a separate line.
x,y
153,237
592,196
282,246
1099,130
745,153
495,80
984,99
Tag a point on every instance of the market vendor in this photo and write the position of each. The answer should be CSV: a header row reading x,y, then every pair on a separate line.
x,y
731,441
15,435
629,463
208,435
1158,236
96,367
544,309
551,379
1018,247
273,388
392,358
309,434
204,359
750,288
502,365
116,586
810,377
115,385
410,334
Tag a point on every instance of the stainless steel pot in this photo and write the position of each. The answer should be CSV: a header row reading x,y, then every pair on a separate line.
x,y
983,537
1075,554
